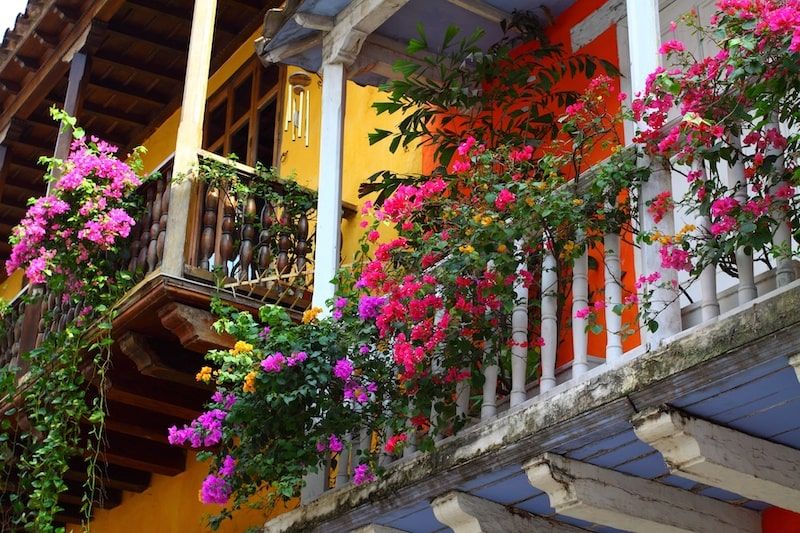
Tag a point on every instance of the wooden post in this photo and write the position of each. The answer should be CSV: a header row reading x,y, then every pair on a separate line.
x,y
329,203
190,137
77,71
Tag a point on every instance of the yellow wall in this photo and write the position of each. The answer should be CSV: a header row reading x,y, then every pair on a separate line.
x,y
171,505
360,159
12,285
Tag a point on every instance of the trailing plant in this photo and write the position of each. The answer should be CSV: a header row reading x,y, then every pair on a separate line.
x,y
510,94
69,247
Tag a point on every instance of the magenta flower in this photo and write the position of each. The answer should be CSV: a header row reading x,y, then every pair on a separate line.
x,y
362,474
273,363
343,369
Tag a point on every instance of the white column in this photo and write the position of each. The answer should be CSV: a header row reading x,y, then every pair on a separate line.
x,y
644,40
490,371
613,294
549,318
519,336
190,135
329,201
782,238
580,300
709,304
744,261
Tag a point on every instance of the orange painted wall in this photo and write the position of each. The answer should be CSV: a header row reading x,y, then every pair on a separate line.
x,y
777,520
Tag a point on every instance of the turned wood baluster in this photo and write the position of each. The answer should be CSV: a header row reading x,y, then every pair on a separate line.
x,y
144,239
155,223
284,244
209,227
226,240
301,246
162,224
18,330
136,235
57,312
264,248
248,235
46,305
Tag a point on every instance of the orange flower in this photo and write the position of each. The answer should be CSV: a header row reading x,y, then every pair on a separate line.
x,y
204,375
250,382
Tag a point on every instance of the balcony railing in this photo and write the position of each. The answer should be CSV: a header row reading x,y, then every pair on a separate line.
x,y
260,243
499,395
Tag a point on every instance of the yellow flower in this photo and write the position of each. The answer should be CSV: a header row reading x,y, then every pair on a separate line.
x,y
241,347
502,248
569,246
486,220
469,231
577,202
466,249
250,382
310,314
529,201
204,375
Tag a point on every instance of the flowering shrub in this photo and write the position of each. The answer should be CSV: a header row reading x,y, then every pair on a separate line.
x,y
734,108
67,243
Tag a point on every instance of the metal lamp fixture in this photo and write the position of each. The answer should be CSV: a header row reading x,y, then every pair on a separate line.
x,y
298,106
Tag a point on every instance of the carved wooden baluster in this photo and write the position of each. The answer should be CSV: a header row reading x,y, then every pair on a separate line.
x,y
162,225
211,202
48,310
301,246
226,239
284,245
57,312
17,334
264,245
152,253
246,248
144,239
135,246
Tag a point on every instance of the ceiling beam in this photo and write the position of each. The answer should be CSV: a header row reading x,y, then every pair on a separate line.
x,y
46,39
10,86
111,476
722,457
137,348
28,63
467,513
142,454
128,92
281,53
115,114
137,35
158,8
147,401
610,498
482,9
353,24
137,67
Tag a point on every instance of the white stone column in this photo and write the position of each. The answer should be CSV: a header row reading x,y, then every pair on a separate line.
x,y
190,136
329,201
644,40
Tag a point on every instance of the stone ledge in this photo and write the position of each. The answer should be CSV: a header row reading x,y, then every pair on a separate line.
x,y
761,331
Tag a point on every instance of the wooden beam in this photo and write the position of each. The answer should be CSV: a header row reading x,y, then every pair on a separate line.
x,y
116,115
142,454
128,92
160,9
10,86
193,328
721,457
379,54
111,476
595,24
465,513
353,24
68,14
312,21
482,9
137,67
46,39
145,401
77,75
137,35
139,350
28,63
603,496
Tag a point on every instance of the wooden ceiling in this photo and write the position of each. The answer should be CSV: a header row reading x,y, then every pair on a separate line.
x,y
137,59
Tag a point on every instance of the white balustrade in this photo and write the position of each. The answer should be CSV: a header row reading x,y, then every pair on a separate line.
x,y
549,318
744,261
782,237
613,297
580,300
709,303
490,372
519,335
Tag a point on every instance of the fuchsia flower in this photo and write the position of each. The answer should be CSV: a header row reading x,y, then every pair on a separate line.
x,y
362,474
504,199
343,369
273,363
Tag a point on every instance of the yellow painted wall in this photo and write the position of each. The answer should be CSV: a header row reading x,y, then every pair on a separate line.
x,y
12,285
171,505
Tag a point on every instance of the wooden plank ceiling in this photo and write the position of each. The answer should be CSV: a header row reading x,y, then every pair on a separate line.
x,y
137,50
